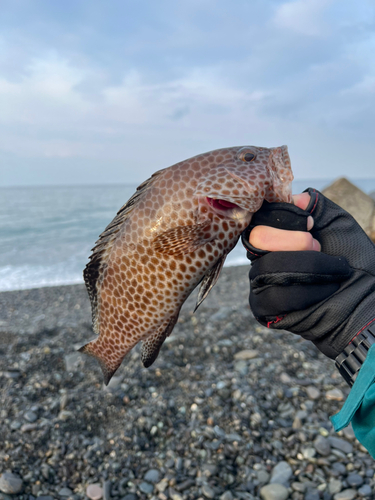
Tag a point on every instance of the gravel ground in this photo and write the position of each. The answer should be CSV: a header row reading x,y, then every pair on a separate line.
x,y
230,410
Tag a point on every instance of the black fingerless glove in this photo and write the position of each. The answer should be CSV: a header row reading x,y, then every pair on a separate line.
x,y
327,297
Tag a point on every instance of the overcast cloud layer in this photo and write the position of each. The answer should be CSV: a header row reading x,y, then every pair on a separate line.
x,y
94,91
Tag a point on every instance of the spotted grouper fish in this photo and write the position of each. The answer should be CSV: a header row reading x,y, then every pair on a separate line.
x,y
174,233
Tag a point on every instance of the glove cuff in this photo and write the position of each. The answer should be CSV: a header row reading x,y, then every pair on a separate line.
x,y
350,361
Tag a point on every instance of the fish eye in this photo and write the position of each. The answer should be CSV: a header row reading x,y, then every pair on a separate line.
x,y
248,157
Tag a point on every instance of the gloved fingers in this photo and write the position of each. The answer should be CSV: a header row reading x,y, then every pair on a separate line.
x,y
285,269
281,240
285,216
271,301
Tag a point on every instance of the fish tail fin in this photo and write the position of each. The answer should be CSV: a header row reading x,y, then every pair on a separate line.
x,y
109,361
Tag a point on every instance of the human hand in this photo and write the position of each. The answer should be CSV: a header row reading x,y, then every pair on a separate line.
x,y
326,296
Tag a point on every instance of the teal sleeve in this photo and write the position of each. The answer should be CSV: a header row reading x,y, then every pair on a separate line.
x,y
359,407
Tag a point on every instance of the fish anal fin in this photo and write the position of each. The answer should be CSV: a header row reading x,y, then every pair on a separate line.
x,y
183,239
209,281
109,365
152,344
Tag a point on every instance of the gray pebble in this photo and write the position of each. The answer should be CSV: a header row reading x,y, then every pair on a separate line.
x,y
354,480
146,487
312,392
65,492
348,494
130,496
281,473
365,490
207,491
339,467
10,483
30,416
340,444
312,495
152,476
263,476
322,446
274,492
334,486
227,495
107,490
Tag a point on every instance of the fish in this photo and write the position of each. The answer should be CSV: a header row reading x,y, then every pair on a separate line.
x,y
173,234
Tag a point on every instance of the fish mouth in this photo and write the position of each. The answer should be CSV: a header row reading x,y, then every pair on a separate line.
x,y
221,205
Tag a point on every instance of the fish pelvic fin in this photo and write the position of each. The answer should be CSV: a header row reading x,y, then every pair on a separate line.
x,y
209,280
109,363
152,344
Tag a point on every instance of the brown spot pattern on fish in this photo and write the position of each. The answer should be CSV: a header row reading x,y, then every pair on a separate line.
x,y
172,234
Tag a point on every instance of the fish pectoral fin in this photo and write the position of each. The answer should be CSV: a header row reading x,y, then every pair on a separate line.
x,y
183,239
209,281
109,365
152,344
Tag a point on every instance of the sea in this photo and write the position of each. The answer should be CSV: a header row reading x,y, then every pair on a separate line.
x,y
47,233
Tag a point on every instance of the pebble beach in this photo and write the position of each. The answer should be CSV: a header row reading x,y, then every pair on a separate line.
x,y
230,410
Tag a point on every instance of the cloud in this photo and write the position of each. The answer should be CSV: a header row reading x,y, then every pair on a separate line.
x,y
305,17
182,78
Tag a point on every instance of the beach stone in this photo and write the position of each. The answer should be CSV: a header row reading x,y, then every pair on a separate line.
x,y
334,395
365,490
348,494
73,361
152,476
65,492
354,480
348,432
246,354
30,416
10,483
300,487
281,473
174,495
322,446
274,492
312,392
94,491
339,467
308,453
334,486
146,487
227,495
130,496
352,199
340,444
207,491
312,495
106,490
263,476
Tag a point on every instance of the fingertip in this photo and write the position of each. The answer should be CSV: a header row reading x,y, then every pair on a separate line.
x,y
301,200
316,245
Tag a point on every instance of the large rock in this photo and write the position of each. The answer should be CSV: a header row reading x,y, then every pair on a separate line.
x,y
352,199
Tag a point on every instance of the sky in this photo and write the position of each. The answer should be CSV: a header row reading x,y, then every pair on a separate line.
x,y
95,91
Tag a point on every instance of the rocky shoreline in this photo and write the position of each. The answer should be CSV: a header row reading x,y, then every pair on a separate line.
x,y
230,410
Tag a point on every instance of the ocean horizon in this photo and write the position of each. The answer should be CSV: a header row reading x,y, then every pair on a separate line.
x,y
47,232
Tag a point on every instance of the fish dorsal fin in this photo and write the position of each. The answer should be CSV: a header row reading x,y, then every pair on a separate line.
x,y
103,246
209,281
183,239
